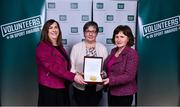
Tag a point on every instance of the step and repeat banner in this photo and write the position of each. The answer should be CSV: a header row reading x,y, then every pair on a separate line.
x,y
110,14
72,15
21,23
158,45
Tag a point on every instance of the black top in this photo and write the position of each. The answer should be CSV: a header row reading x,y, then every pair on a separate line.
x,y
64,55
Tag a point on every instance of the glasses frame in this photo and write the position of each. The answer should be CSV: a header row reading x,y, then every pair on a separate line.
x,y
90,32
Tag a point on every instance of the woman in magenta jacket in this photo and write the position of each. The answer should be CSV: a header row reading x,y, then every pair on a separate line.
x,y
121,66
53,65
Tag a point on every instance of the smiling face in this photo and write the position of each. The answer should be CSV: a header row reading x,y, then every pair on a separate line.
x,y
53,33
121,40
90,34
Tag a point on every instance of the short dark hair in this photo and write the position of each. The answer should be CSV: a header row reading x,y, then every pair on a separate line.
x,y
126,30
91,23
44,32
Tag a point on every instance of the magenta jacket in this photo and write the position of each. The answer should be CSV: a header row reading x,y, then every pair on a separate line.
x,y
122,74
52,66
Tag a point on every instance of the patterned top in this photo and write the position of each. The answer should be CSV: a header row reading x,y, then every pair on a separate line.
x,y
91,52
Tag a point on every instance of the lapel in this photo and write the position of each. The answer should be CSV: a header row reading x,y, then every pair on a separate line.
x,y
120,57
54,51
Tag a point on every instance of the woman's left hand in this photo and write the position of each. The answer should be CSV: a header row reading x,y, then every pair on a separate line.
x,y
103,74
105,81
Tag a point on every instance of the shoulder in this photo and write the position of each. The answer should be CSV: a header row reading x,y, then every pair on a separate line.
x,y
43,46
100,45
78,44
101,48
131,52
113,50
78,47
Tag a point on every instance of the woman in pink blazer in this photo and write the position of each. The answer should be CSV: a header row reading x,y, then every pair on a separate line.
x,y
53,65
121,66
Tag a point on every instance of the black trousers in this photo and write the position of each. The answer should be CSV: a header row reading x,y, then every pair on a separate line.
x,y
52,97
87,97
120,100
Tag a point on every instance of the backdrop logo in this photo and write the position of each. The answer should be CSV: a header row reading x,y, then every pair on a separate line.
x,y
64,41
130,17
99,5
101,29
161,27
85,18
109,17
74,29
62,17
109,41
21,27
120,6
51,5
74,5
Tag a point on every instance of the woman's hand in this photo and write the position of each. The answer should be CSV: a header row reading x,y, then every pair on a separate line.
x,y
103,74
79,79
105,81
80,73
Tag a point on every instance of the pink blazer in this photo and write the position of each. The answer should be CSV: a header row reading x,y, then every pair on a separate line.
x,y
122,73
52,66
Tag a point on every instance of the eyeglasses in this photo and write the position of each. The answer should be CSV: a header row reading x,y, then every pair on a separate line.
x,y
92,32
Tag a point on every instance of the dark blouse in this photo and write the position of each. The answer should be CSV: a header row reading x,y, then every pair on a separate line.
x,y
65,56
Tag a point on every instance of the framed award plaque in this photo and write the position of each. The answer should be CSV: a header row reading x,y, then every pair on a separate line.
x,y
92,69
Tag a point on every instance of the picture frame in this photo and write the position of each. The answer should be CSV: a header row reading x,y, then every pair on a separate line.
x,y
92,68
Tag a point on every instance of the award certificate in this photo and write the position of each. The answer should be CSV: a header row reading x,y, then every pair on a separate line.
x,y
92,69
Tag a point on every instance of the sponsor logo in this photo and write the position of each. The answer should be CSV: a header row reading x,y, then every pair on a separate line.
x,y
120,6
161,27
130,17
85,18
21,27
62,18
64,41
74,29
74,5
99,5
101,29
51,5
109,17
109,41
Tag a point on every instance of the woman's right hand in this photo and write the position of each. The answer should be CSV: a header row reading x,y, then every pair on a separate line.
x,y
79,79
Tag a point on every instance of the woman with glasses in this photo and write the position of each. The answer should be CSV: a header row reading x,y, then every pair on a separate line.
x,y
87,95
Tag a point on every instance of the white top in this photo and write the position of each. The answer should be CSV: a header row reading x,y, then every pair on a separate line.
x,y
77,57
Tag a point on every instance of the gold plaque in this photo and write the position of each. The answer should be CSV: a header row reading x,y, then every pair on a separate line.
x,y
93,78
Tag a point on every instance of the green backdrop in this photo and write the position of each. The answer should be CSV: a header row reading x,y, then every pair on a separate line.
x,y
158,45
18,76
